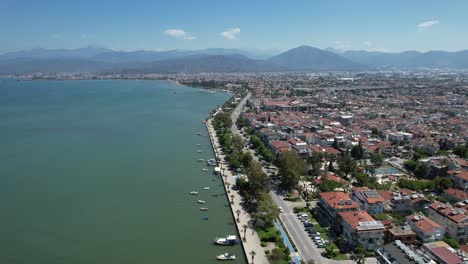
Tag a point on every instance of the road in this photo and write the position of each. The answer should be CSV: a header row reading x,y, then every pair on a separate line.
x,y
304,244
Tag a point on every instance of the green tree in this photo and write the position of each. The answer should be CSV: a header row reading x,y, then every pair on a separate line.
x,y
252,253
315,161
291,167
237,142
359,254
335,144
357,152
346,164
410,165
246,159
421,170
442,183
461,150
377,159
375,131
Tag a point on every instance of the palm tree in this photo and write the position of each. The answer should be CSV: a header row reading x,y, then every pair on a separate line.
x,y
245,230
232,198
238,213
359,255
252,253
228,184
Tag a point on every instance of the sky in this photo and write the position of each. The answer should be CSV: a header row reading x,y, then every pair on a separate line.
x,y
393,25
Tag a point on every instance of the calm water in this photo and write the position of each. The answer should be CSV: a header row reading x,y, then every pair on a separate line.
x,y
100,172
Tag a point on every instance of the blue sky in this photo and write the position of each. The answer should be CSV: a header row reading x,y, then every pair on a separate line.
x,y
278,25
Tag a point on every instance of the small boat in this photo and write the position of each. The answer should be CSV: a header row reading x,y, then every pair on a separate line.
x,y
204,209
199,133
198,145
199,151
206,188
200,160
194,193
204,169
226,256
227,241
214,194
205,217
201,201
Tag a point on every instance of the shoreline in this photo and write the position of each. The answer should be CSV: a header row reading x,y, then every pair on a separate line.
x,y
252,242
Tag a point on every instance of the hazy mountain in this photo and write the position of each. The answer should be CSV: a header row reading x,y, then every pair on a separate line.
x,y
411,59
309,58
207,63
57,65
40,53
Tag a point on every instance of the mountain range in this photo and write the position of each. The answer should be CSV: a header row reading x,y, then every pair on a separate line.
x,y
303,58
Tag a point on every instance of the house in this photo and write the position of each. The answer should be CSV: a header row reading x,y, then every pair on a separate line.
x,y
408,201
279,146
454,220
455,195
398,253
402,233
442,253
368,200
460,178
360,228
426,229
331,203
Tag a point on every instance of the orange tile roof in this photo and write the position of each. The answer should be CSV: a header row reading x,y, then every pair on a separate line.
x,y
459,194
425,224
333,199
353,218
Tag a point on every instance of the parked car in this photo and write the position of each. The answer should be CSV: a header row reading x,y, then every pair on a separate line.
x,y
321,245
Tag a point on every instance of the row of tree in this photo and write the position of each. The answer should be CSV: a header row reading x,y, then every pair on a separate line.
x,y
439,184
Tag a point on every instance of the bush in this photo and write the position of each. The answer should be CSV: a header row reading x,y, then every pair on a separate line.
x,y
263,244
451,242
267,252
269,235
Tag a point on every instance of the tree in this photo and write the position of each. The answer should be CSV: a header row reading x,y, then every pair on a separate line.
x,y
258,182
375,131
359,255
421,170
245,230
232,198
346,164
238,212
410,165
291,167
315,161
461,150
442,183
335,144
246,159
330,251
377,159
252,253
238,143
357,152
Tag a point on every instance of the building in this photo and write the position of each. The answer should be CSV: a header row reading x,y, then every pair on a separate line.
x,y
331,203
442,253
368,200
426,229
398,252
360,228
453,220
408,201
460,178
402,233
455,195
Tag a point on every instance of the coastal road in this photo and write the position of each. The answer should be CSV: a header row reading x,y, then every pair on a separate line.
x,y
304,244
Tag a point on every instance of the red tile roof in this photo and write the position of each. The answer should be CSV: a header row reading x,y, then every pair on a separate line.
x,y
353,218
425,224
446,255
337,200
459,194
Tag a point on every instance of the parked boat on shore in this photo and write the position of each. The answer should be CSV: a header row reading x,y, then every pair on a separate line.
x,y
227,241
226,256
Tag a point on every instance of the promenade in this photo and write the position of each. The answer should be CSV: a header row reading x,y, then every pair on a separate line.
x,y
252,241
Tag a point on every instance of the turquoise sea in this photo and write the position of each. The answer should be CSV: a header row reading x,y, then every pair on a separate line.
x,y
100,172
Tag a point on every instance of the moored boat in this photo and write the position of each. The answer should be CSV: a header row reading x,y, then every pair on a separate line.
x,y
193,192
227,241
204,209
226,256
201,201
206,188
204,169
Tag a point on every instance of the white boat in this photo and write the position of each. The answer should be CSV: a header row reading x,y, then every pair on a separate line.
x,y
226,256
206,188
204,169
194,193
199,151
198,145
200,160
227,241
201,201
204,209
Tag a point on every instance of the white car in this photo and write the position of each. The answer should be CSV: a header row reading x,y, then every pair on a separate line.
x,y
280,209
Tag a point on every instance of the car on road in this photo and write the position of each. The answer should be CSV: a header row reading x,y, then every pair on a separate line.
x,y
280,209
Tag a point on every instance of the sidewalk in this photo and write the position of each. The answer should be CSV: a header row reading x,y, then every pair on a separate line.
x,y
252,242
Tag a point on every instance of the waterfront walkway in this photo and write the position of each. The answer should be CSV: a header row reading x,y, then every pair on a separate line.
x,y
252,241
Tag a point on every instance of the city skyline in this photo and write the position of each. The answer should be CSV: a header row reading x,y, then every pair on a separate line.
x,y
145,25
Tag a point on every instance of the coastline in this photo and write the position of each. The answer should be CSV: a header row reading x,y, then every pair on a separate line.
x,y
252,241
